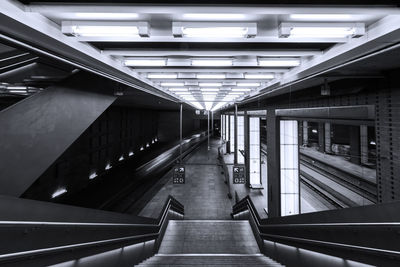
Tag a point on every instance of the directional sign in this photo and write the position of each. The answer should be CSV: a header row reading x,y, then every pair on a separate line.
x,y
179,175
239,174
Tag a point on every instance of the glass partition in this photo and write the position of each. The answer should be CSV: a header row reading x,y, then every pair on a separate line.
x,y
254,149
232,132
240,140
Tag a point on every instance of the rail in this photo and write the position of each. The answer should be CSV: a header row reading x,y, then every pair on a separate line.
x,y
347,233
23,240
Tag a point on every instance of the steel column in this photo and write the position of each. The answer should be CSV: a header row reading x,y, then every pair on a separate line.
x,y
180,134
235,155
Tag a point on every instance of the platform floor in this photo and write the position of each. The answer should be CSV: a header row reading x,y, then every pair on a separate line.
x,y
204,194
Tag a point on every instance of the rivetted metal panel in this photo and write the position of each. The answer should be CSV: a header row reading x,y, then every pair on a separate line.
x,y
36,131
362,112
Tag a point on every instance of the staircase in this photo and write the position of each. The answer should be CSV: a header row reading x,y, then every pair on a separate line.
x,y
209,243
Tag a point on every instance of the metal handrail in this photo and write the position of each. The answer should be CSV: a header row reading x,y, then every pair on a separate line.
x,y
171,204
267,231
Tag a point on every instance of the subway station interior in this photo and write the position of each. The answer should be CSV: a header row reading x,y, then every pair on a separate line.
x,y
200,133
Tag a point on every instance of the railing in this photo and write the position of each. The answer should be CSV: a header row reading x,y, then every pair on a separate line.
x,y
369,234
23,242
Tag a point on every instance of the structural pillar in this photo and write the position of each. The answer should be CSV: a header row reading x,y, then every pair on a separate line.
x,y
235,155
364,144
328,143
305,133
208,129
180,134
321,137
273,163
355,156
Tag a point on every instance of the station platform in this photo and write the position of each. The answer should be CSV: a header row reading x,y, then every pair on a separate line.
x,y
204,193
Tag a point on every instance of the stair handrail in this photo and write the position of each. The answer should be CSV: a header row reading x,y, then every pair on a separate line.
x,y
334,238
111,233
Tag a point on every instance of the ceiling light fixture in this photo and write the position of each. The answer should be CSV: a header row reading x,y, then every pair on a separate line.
x,y
250,76
98,15
168,84
210,76
209,89
213,16
278,62
214,29
321,30
321,17
105,28
211,62
177,89
248,84
162,76
146,62
209,84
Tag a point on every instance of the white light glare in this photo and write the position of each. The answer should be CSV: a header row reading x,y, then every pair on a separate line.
x,y
162,76
106,15
130,154
145,62
59,192
248,84
278,62
177,89
211,62
210,84
121,158
108,166
217,106
241,89
208,105
102,30
141,148
214,16
147,145
259,76
210,76
322,32
197,105
215,32
209,89
92,175
321,17
172,84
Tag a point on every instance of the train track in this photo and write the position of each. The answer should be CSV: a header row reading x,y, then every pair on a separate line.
x,y
358,185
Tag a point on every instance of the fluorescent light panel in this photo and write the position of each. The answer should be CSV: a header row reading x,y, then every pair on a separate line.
x,y
209,89
96,15
240,89
259,76
211,62
278,62
172,84
162,76
321,30
177,89
321,17
210,76
248,84
145,62
209,84
214,16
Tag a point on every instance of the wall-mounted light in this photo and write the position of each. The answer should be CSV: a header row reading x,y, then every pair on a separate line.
x,y
141,148
321,30
105,28
130,154
121,158
214,29
92,175
108,166
59,192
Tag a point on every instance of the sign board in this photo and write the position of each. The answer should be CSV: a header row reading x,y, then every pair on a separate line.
x,y
239,174
179,175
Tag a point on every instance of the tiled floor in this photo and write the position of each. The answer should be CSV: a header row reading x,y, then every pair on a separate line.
x,y
204,194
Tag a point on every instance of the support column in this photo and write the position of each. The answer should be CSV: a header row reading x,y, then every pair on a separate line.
x,y
328,144
364,144
355,156
247,147
180,134
273,163
212,123
235,155
36,131
208,129
305,133
321,137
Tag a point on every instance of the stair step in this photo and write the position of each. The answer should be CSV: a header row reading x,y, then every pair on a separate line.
x,y
209,260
